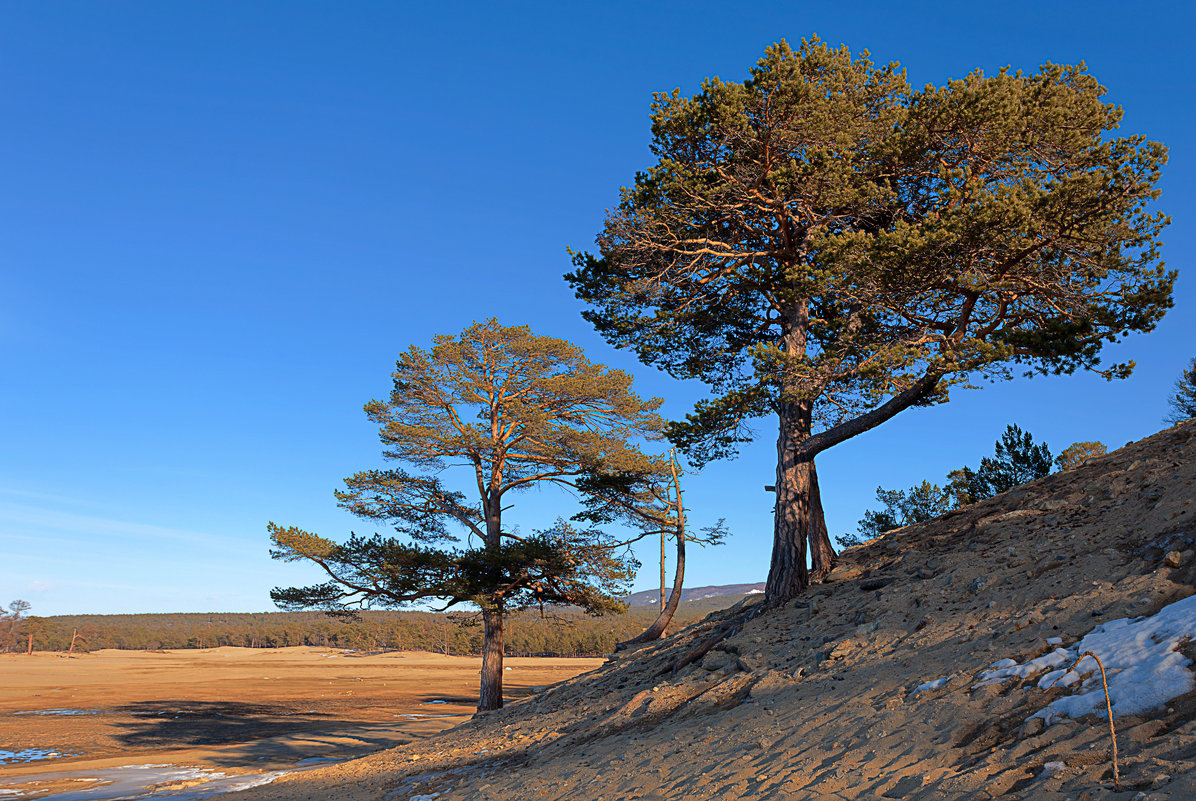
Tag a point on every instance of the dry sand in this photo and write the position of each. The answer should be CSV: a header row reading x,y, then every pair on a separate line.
x,y
816,700
236,710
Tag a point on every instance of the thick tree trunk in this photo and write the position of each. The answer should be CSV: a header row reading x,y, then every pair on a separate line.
x,y
490,696
798,517
822,552
788,575
658,627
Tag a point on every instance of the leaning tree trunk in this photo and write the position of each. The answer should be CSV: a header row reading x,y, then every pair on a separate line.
x,y
822,553
490,696
657,629
788,575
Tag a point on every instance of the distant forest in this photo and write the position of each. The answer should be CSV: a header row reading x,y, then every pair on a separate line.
x,y
560,632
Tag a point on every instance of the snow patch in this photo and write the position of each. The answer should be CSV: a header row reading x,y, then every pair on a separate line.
x,y
930,685
1051,768
137,781
1142,662
1009,668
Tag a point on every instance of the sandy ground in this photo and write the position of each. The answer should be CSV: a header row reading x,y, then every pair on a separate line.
x,y
819,701
235,710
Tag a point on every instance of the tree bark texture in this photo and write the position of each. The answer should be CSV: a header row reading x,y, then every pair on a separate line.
x,y
490,695
822,552
788,575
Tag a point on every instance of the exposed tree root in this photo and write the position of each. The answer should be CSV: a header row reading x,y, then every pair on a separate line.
x,y
728,628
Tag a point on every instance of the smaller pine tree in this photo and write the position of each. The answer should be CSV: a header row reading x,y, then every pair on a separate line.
x,y
1183,402
917,504
1016,460
1078,453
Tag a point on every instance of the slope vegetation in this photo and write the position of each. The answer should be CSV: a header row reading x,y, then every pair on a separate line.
x,y
879,683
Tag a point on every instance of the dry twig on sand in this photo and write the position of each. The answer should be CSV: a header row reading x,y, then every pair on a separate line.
x,y
1108,706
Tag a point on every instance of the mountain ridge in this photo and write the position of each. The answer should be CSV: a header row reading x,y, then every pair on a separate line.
x,y
652,597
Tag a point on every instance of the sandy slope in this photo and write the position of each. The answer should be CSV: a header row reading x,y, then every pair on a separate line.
x,y
817,701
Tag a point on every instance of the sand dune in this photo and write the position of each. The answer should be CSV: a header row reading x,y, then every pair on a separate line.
x,y
870,686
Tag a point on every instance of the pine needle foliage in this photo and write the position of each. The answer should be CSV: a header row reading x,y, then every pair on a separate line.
x,y
1016,459
1183,400
824,242
509,410
1077,453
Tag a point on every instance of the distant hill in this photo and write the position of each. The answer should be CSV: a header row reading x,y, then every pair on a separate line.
x,y
561,631
652,597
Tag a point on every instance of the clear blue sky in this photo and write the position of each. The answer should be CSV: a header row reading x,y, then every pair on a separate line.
x,y
221,222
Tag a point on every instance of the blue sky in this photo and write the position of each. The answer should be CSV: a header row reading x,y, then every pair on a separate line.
x,y
221,222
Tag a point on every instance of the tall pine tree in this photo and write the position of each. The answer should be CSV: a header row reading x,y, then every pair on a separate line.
x,y
823,244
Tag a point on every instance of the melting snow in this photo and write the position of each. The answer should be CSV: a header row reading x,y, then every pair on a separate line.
x,y
1144,666
136,781
30,755
1010,669
1050,769
930,685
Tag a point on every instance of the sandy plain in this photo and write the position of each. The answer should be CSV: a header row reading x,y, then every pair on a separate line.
x,y
233,710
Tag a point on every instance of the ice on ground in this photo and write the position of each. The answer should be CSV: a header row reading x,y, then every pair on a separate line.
x,y
1142,663
435,702
136,781
64,712
30,755
930,685
1051,768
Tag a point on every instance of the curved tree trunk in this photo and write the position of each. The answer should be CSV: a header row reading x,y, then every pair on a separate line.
x,y
490,696
657,629
822,552
663,575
